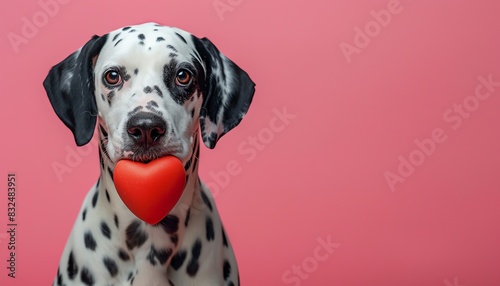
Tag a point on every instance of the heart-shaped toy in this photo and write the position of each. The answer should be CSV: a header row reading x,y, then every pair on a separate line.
x,y
150,190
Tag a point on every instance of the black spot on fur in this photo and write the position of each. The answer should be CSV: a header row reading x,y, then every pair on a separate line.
x,y
111,265
209,225
87,277
226,269
110,96
162,255
126,28
159,39
181,37
123,255
59,278
89,240
72,266
84,214
131,31
151,103
136,71
124,74
170,224
172,55
192,113
101,159
103,131
188,164
116,220
157,89
141,43
102,97
172,48
130,276
188,215
230,283
171,283
107,195
135,110
174,238
224,238
141,37
110,174
178,259
116,37
206,200
118,42
135,237
105,230
151,256
148,89
193,265
94,198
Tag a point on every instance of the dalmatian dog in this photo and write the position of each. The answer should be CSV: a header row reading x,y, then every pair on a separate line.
x,y
150,91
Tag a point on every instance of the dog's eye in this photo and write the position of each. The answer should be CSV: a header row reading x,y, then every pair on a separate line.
x,y
112,78
183,77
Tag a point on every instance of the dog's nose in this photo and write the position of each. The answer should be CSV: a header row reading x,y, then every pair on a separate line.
x,y
146,128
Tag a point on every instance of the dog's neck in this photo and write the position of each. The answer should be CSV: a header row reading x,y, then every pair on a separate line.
x,y
106,185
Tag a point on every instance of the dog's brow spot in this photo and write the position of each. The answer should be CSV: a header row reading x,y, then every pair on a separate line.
x,y
131,31
116,36
141,37
172,48
148,89
126,28
159,39
155,30
118,42
181,37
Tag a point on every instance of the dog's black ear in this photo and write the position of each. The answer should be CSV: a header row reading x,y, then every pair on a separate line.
x,y
70,88
227,93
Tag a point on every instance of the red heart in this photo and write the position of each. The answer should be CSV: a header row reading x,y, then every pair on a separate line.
x,y
151,190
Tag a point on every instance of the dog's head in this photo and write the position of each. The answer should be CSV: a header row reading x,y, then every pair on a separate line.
x,y
147,87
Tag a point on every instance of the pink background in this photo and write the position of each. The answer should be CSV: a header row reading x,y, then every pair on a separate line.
x,y
321,175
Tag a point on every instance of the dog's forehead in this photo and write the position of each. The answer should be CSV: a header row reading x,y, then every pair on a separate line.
x,y
150,37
